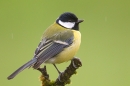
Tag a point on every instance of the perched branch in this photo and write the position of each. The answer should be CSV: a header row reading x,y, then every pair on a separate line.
x,y
44,77
64,77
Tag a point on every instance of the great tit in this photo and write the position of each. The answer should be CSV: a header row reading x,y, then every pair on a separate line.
x,y
59,43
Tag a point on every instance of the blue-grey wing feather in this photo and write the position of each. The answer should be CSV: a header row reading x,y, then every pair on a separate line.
x,y
49,49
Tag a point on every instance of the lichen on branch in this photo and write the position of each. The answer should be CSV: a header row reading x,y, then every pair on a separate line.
x,y
64,77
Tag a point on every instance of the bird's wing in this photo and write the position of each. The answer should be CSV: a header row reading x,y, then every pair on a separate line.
x,y
50,47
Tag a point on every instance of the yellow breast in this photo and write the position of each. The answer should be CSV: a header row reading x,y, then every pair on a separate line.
x,y
69,52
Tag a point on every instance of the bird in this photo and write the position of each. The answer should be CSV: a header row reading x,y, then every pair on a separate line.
x,y
59,43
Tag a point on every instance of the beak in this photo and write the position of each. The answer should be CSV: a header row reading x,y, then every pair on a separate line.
x,y
79,21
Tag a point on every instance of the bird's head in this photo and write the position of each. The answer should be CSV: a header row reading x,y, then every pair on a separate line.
x,y
69,20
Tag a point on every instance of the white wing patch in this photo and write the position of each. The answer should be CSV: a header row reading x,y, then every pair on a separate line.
x,y
61,42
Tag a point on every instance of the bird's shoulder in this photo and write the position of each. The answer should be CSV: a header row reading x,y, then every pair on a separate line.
x,y
57,32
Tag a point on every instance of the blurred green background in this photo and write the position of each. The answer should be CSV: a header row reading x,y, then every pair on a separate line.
x,y
105,48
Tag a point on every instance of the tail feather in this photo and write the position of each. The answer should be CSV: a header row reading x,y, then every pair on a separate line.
x,y
26,65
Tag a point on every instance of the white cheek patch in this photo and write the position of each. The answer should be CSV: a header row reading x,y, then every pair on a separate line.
x,y
67,24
